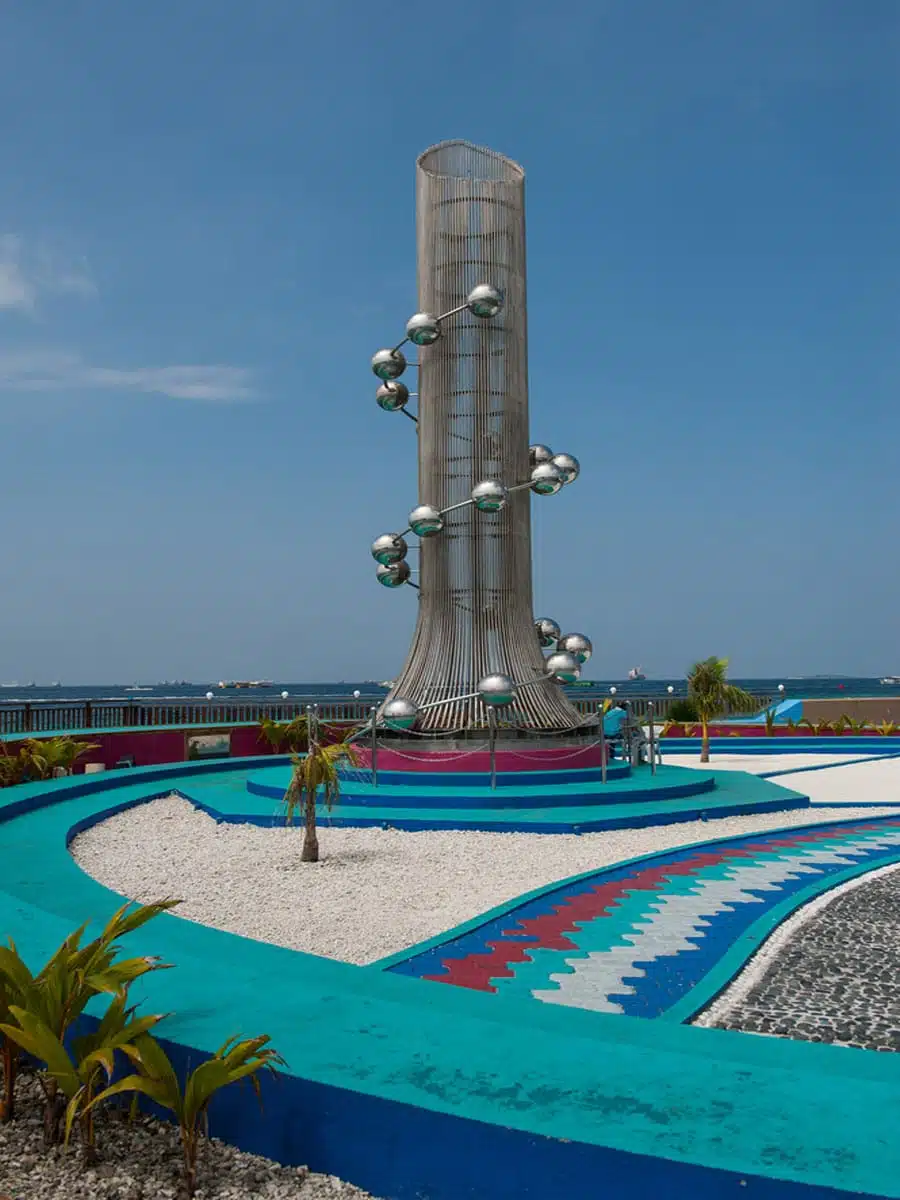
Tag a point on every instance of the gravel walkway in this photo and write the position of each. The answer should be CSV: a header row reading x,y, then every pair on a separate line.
x,y
829,974
141,1160
375,891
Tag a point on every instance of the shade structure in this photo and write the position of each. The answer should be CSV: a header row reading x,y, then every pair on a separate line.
x,y
475,604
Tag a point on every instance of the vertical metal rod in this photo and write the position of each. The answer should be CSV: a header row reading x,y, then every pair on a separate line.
x,y
374,712
602,745
652,751
492,724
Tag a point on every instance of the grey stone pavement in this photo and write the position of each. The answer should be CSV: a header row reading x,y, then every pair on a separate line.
x,y
835,979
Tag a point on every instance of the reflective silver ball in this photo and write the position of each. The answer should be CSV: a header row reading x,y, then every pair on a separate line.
x,y
489,495
389,548
393,574
576,644
284,695
425,520
563,667
567,465
388,364
548,631
497,690
484,301
392,396
209,695
423,329
539,453
546,479
399,713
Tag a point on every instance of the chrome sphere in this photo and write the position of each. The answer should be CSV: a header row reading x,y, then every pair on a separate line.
x,y
489,495
563,667
389,548
539,453
392,396
548,631
399,713
394,574
484,301
546,479
497,690
577,645
388,364
423,329
284,695
567,465
209,695
425,520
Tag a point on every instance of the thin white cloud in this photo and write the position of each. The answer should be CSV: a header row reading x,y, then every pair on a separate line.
x,y
55,371
27,274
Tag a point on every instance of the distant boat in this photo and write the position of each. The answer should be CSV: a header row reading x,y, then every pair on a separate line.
x,y
246,683
636,673
54,684
137,687
891,679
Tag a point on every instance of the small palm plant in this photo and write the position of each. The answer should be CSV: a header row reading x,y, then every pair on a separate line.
x,y
155,1077
713,695
60,991
44,756
886,728
770,722
78,1072
315,775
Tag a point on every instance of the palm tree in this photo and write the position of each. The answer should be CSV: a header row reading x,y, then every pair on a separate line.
x,y
713,695
315,771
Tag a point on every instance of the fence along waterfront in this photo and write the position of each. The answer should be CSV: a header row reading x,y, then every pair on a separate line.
x,y
68,716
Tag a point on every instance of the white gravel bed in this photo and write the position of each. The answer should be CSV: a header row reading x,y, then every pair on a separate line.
x,y
141,1160
759,764
375,891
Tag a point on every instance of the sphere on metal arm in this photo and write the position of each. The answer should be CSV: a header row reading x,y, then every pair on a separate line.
x,y
567,465
539,453
546,479
497,690
389,548
392,396
484,301
578,645
399,713
489,496
423,329
563,667
392,575
388,364
548,631
425,520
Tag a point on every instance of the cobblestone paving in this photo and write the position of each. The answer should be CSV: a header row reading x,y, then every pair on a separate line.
x,y
838,977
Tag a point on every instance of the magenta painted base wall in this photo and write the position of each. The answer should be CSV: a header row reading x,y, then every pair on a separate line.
x,y
568,758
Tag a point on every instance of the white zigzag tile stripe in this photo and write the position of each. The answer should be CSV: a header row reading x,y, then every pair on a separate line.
x,y
674,919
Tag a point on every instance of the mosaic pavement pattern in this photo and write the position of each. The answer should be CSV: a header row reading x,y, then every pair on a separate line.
x,y
638,938
838,977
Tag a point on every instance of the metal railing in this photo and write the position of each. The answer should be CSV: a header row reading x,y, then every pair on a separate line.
x,y
54,716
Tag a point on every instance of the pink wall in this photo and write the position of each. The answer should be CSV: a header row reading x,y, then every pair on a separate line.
x,y
570,758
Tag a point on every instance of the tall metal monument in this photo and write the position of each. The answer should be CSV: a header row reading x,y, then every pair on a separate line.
x,y
476,644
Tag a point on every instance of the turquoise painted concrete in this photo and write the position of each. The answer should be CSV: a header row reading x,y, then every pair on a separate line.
x,y
733,795
426,1074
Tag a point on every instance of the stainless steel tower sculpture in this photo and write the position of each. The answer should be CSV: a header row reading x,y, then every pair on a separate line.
x,y
476,645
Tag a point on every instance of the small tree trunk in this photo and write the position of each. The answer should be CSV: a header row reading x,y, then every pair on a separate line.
x,y
704,744
54,1109
310,852
10,1070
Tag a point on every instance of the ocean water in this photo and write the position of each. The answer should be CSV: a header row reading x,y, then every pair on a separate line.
x,y
809,687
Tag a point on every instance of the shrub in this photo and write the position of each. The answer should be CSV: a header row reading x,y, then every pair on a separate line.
x,y
682,710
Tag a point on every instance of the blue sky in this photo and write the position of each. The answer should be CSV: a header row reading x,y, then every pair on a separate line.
x,y
207,227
